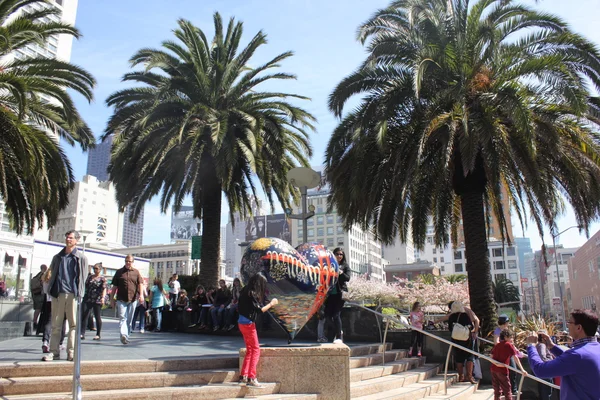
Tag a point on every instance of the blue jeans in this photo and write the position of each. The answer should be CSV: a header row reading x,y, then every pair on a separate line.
x,y
157,318
126,311
217,314
140,311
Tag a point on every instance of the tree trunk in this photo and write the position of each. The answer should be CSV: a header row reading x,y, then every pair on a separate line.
x,y
211,236
478,262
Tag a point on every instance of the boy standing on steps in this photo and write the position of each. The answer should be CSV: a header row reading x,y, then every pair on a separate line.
x,y
502,352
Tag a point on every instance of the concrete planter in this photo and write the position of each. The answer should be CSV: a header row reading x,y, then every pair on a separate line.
x,y
15,317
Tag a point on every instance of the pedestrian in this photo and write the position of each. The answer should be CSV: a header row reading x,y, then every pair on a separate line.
x,y
37,294
158,299
93,300
140,313
544,391
45,321
129,288
68,270
416,319
334,301
502,353
579,366
503,323
464,359
251,302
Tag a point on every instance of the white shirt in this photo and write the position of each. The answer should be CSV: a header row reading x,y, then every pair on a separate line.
x,y
175,286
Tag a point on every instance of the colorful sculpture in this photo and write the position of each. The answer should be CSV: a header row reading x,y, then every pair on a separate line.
x,y
299,278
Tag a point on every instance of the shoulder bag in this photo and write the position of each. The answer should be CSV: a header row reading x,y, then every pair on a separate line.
x,y
460,332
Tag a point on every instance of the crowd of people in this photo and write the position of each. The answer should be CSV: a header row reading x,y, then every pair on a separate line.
x,y
57,287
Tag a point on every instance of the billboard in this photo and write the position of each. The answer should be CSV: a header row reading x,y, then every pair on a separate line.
x,y
183,224
277,225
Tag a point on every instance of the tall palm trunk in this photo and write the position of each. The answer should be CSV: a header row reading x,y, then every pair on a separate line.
x,y
478,262
211,235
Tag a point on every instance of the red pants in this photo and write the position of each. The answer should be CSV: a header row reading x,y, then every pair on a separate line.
x,y
500,381
252,350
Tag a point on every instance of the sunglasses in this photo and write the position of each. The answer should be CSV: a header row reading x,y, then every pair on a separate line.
x,y
339,254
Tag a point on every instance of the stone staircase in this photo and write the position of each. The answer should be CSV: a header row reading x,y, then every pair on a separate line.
x,y
215,378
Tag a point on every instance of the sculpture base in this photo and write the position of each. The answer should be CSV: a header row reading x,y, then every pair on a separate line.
x,y
323,369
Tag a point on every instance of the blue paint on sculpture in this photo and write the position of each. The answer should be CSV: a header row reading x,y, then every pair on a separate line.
x,y
299,278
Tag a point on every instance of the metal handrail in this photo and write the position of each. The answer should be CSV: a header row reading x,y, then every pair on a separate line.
x,y
451,344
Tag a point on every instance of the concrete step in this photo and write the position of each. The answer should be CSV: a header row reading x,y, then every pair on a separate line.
x,y
377,358
483,394
59,368
280,396
366,349
57,384
201,392
411,391
392,382
458,391
390,368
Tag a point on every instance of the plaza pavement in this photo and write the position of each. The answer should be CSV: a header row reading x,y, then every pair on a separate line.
x,y
146,346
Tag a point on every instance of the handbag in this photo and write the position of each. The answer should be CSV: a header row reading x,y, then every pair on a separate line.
x,y
460,332
477,373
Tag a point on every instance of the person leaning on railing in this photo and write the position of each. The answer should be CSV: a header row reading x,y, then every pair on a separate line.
x,y
579,366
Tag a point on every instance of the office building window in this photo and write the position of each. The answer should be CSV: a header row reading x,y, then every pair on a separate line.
x,y
496,252
435,259
330,230
458,255
510,251
310,221
513,276
340,230
512,264
330,242
320,220
498,264
320,232
500,277
311,232
329,218
458,268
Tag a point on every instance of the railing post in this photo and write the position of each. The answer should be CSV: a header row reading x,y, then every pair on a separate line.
x,y
446,370
520,387
77,395
387,324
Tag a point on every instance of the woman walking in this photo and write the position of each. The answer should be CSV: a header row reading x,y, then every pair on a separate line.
x,y
250,303
157,300
93,300
416,319
334,302
458,315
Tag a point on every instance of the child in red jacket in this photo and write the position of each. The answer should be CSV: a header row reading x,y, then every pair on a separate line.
x,y
502,352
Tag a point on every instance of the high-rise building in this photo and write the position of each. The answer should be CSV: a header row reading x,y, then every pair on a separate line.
x,y
525,253
98,160
92,207
584,275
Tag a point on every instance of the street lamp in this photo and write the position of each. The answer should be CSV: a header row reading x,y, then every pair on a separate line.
x,y
304,179
77,395
554,236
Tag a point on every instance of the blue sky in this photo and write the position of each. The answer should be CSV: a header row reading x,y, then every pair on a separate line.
x,y
320,33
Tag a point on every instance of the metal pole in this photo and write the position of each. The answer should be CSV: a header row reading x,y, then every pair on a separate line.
x,y
446,370
304,211
77,395
562,309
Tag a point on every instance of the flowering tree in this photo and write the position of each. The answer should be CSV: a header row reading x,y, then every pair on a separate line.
x,y
429,292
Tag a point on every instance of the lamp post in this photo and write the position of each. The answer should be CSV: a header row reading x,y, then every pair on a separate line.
x,y
304,179
554,236
77,395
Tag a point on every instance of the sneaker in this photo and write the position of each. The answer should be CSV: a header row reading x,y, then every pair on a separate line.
x,y
230,328
45,347
50,357
338,341
192,325
202,326
62,347
253,382
216,328
142,330
243,381
124,339
419,354
322,340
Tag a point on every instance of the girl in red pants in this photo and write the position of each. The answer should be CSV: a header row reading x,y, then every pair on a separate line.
x,y
249,304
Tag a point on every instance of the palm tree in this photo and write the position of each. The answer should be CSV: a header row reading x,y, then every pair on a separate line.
x,y
196,124
35,109
461,103
506,292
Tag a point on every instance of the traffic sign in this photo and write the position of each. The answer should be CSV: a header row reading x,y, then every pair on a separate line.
x,y
524,280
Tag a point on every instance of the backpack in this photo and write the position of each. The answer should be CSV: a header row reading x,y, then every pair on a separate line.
x,y
36,284
460,332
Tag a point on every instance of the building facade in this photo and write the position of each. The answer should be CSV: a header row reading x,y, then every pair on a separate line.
x,y
584,275
363,252
98,159
92,208
410,271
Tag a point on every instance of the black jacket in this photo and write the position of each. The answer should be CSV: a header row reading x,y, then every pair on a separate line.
x,y
343,278
248,306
